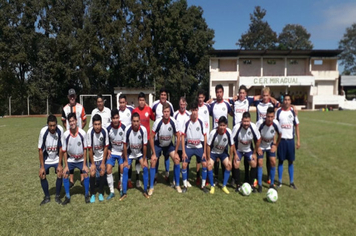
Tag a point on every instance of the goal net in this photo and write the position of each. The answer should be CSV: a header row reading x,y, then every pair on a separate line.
x,y
89,101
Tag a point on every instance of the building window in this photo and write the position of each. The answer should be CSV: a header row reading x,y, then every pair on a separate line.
x,y
271,62
293,62
318,62
247,62
231,90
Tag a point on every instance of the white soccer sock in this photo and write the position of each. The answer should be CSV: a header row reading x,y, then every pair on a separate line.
x,y
185,183
110,180
203,182
121,181
167,173
138,168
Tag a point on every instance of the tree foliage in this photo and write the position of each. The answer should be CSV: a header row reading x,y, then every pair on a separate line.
x,y
293,37
348,55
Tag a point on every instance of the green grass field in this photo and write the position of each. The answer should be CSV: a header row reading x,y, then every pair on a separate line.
x,y
324,204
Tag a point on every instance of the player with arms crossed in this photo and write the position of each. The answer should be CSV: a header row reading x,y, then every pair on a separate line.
x,y
74,146
268,129
163,131
98,142
243,135
220,139
135,148
50,155
289,123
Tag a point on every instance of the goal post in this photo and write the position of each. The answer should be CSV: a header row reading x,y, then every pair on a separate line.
x,y
88,101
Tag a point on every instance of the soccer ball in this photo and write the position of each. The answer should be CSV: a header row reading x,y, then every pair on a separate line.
x,y
272,195
246,189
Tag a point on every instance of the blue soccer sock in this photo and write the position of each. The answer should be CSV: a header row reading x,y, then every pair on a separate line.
x,y
259,175
124,180
204,173
44,184
176,173
66,186
211,177
86,186
280,171
145,178
58,186
226,177
291,173
184,177
152,176
166,163
272,174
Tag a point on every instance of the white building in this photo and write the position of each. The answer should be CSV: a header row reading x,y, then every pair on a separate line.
x,y
311,74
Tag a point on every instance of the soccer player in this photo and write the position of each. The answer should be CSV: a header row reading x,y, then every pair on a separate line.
x,y
194,144
116,135
135,148
220,139
268,129
241,104
161,139
74,146
103,111
98,142
289,123
50,155
78,109
146,114
244,134
182,116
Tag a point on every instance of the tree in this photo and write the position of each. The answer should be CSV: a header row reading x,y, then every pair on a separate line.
x,y
260,36
348,55
294,36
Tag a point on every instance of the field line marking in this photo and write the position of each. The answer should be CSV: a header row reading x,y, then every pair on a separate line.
x,y
332,122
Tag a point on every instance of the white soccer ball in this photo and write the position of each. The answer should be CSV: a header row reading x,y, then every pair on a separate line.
x,y
272,195
246,189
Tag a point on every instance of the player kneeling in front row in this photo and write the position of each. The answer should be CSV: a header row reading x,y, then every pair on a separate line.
x,y
135,148
50,155
220,139
244,134
195,136
268,129
74,146
98,142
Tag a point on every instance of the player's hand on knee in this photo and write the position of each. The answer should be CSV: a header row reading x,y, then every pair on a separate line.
x,y
259,151
85,169
102,167
65,172
42,173
59,169
92,168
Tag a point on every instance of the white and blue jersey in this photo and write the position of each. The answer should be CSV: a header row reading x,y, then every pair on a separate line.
x,y
125,115
135,140
287,120
181,119
50,144
268,133
164,132
204,115
116,139
243,137
261,108
219,109
239,107
97,141
157,108
220,143
105,116
194,134
74,145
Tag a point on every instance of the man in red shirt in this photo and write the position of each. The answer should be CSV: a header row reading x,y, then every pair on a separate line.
x,y
146,114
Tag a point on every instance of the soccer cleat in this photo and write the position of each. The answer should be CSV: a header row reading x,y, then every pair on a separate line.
x,y
198,181
212,190
232,182
268,181
58,199
255,183
145,194
238,188
92,199
111,195
179,190
279,185
129,184
225,190
71,184
206,183
204,189
254,190
272,186
66,201
150,191
184,190
188,184
292,185
45,200
259,189
138,184
118,185
87,199
216,181
101,197
123,196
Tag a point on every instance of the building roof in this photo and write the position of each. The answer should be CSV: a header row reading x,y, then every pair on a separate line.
x,y
259,53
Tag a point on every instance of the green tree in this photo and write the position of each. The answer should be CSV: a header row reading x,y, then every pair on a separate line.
x,y
348,55
294,36
260,36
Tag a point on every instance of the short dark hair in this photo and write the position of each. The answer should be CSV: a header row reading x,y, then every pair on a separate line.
x,y
122,96
99,96
163,89
219,86
51,118
194,105
243,87
135,115
270,110
72,115
141,95
246,114
222,119
287,95
96,117
165,106
201,92
114,112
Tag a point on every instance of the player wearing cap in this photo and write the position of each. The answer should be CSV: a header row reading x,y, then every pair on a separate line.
x,y
74,146
50,155
103,111
98,142
289,123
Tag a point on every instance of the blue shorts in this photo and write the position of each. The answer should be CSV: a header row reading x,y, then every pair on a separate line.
x,y
78,165
164,150
113,158
47,166
130,160
268,154
221,156
247,155
286,150
198,152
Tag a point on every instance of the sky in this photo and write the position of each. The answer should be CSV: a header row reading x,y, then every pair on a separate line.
x,y
325,20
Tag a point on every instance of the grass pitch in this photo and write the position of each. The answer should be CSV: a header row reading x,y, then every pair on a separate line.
x,y
323,204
